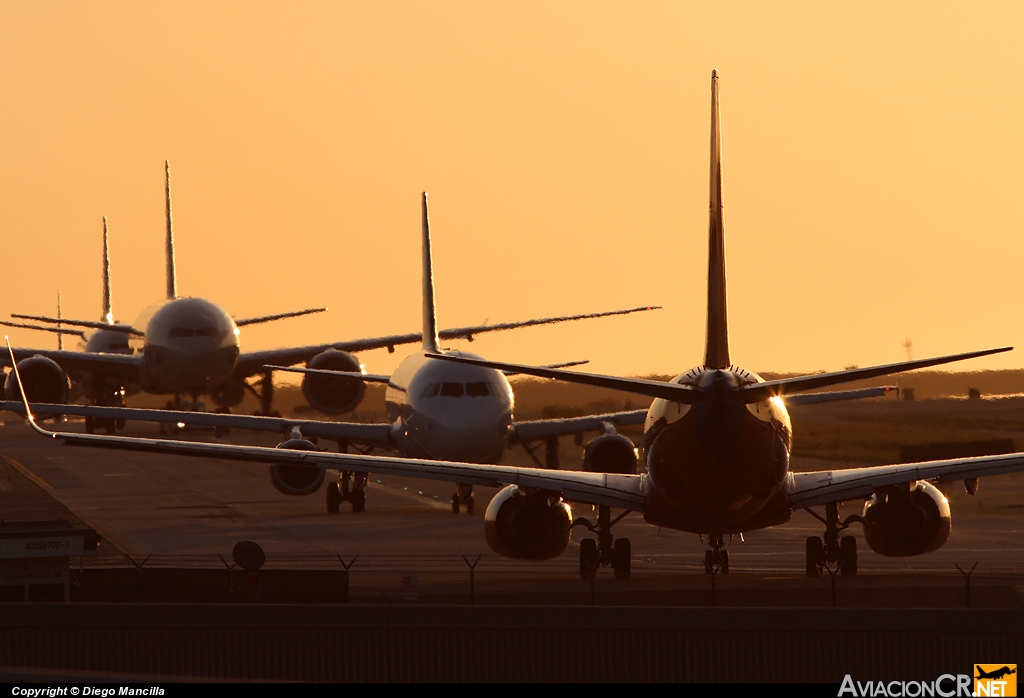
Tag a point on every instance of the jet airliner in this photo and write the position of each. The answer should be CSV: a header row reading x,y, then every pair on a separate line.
x,y
717,441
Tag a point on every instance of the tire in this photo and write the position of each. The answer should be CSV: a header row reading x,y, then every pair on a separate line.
x,y
358,499
815,553
622,558
724,562
470,504
588,558
455,502
333,498
709,561
848,556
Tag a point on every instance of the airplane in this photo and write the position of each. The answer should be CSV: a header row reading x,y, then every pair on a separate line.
x,y
190,346
437,411
995,673
717,442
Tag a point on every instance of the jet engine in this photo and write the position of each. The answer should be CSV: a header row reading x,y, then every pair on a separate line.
x,y
899,522
527,526
610,453
296,480
333,395
43,379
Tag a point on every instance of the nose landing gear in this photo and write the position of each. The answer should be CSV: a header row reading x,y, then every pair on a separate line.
x,y
464,497
605,550
831,549
716,559
351,487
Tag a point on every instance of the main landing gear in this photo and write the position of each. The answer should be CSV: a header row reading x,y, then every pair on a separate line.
x,y
831,549
716,559
351,487
105,397
605,550
464,497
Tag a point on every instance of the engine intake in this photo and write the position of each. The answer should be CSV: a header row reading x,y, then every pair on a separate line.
x,y
904,522
527,526
296,480
610,453
329,394
43,379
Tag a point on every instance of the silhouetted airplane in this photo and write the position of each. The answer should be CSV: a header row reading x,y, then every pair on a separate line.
x,y
717,440
996,673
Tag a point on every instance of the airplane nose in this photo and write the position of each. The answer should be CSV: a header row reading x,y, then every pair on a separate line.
x,y
470,434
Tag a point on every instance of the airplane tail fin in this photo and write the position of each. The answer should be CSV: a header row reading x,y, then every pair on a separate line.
x,y
430,340
716,353
172,283
60,329
108,312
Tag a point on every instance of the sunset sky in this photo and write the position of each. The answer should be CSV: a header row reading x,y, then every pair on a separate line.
x,y
873,161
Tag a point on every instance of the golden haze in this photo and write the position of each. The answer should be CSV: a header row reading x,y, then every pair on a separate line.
x,y
872,166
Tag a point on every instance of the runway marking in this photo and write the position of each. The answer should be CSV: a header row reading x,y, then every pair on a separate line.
x,y
120,544
36,480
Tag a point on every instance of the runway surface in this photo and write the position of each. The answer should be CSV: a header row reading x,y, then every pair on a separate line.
x,y
189,511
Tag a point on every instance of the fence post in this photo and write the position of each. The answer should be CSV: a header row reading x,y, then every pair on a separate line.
x,y
967,580
472,577
344,589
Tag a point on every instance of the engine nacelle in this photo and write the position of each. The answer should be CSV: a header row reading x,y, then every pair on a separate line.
x,y
296,480
43,379
532,526
900,523
610,453
333,395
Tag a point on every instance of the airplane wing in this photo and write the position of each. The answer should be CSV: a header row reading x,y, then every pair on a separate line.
x,y
838,395
55,329
824,486
378,435
125,366
251,363
279,316
117,327
537,429
625,491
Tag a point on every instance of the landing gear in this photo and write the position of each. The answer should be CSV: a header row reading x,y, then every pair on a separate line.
x,y
219,432
463,497
351,487
605,551
830,549
716,559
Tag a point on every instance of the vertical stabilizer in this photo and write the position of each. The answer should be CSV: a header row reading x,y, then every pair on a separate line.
x,y
108,310
60,335
172,283
716,353
430,340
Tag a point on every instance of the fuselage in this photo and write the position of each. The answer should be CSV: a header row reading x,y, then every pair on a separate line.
x,y
190,347
718,465
448,411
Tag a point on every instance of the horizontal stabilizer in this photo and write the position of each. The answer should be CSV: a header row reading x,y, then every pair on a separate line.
x,y
280,316
59,330
760,391
839,395
127,329
354,375
668,391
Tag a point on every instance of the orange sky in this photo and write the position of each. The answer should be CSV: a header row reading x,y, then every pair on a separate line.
x,y
872,161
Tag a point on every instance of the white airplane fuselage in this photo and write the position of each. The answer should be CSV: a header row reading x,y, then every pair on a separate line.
x,y
447,411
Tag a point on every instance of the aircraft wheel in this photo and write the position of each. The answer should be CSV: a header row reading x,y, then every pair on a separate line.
x,y
815,554
709,561
589,558
358,499
723,560
455,502
622,555
470,504
111,426
848,556
333,498
119,424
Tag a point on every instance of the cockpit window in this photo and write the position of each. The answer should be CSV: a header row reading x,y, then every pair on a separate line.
x,y
431,390
477,389
451,390
191,332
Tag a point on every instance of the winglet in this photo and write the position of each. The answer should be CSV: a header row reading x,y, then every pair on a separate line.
x,y
716,354
172,283
430,339
108,313
21,391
